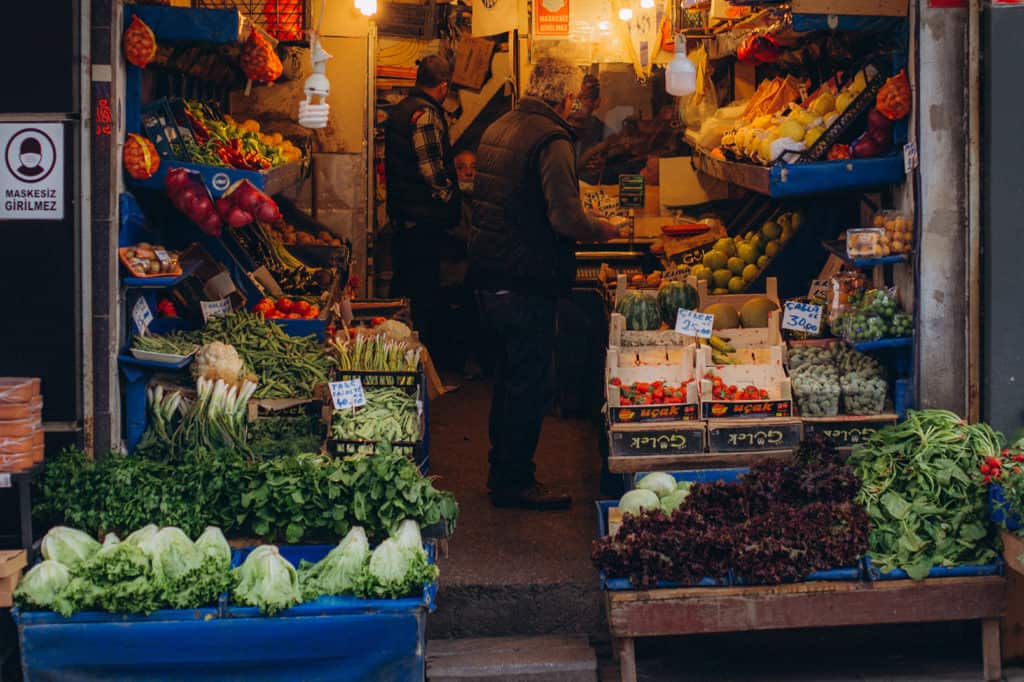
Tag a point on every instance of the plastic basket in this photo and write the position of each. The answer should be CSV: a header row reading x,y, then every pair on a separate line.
x,y
999,509
966,571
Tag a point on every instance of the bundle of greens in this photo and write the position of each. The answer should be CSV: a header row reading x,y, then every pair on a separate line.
x,y
291,498
923,490
152,568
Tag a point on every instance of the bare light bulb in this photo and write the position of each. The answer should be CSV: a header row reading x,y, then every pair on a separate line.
x,y
625,14
647,4
604,25
314,110
680,74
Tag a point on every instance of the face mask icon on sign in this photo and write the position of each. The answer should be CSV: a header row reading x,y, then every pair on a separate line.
x,y
30,155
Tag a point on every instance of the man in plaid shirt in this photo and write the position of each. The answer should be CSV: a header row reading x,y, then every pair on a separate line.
x,y
422,191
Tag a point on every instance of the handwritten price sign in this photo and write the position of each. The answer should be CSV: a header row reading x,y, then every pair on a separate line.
x,y
347,394
692,323
215,308
801,317
142,315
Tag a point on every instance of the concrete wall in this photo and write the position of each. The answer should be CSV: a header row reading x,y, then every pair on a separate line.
x,y
942,300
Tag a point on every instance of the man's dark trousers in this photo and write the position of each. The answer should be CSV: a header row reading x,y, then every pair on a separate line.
x,y
523,327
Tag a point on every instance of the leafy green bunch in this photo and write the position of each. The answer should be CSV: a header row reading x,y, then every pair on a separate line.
x,y
925,493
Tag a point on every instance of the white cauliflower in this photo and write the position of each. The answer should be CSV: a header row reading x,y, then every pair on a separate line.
x,y
218,360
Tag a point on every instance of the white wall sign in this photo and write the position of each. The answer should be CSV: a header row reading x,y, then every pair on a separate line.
x,y
31,171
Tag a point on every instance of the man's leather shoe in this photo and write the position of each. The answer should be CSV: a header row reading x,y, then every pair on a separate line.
x,y
537,496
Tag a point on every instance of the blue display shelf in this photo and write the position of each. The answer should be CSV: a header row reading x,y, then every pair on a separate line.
x,y
152,282
848,22
182,24
882,344
999,511
839,249
803,179
218,179
964,571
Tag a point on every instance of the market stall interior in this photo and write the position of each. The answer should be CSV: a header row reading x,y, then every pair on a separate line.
x,y
733,373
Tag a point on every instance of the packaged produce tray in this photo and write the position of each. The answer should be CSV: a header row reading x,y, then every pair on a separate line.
x,y
966,571
168,360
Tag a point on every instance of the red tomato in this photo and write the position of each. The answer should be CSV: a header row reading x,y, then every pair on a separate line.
x,y
293,316
272,314
301,307
285,305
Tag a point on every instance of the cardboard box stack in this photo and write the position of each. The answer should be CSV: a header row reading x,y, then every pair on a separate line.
x,y
21,424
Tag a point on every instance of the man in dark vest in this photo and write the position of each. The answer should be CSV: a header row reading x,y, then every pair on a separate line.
x,y
528,218
423,191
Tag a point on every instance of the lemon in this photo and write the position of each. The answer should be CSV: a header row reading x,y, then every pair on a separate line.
x,y
701,272
720,278
758,243
812,135
772,229
786,235
792,130
720,290
736,285
750,273
736,265
726,246
797,219
772,249
843,101
859,83
748,253
762,262
714,260
824,104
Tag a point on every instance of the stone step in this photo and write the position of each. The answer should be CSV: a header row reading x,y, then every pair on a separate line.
x,y
475,610
511,659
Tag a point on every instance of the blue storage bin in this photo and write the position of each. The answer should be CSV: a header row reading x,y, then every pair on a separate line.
x,y
616,584
999,509
966,571
903,397
700,475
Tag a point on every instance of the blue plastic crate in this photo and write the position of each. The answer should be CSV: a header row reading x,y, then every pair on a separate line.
x,y
700,475
617,584
966,571
333,605
999,509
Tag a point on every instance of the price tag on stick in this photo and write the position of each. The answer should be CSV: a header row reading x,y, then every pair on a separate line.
x,y
142,315
692,323
801,317
347,394
219,308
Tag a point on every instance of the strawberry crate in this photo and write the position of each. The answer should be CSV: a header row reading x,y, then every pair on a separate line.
x,y
622,372
775,397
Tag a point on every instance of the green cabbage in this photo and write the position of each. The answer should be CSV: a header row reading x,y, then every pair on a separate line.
x,y
659,483
342,571
41,585
142,534
68,546
81,594
267,580
636,501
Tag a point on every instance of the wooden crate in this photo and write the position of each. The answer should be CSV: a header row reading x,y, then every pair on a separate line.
x,y
770,376
660,439
12,562
848,430
672,374
754,435
877,8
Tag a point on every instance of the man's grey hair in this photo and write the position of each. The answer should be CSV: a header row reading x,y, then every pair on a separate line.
x,y
552,79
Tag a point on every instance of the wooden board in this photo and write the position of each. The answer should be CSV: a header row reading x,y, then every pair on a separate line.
x,y
848,430
705,460
1012,629
737,435
650,613
646,440
877,8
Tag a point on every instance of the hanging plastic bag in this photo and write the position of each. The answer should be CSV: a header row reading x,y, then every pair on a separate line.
x,y
259,60
703,103
139,43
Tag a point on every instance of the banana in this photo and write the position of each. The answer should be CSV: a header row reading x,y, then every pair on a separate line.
x,y
721,345
721,358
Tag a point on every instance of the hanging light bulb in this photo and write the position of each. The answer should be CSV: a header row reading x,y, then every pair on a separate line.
x,y
604,25
647,4
625,14
314,110
680,74
366,7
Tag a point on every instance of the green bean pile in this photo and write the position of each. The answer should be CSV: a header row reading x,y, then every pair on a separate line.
x,y
287,366
390,415
174,343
